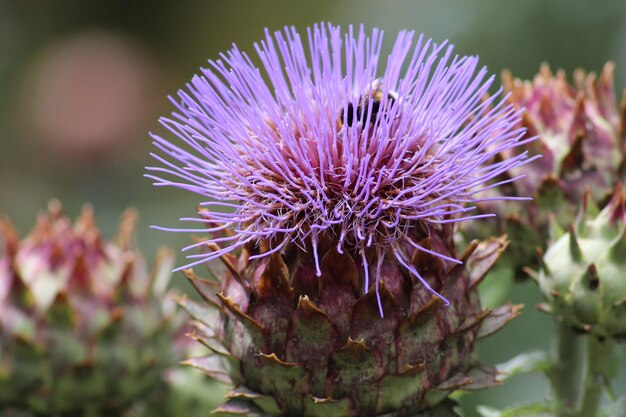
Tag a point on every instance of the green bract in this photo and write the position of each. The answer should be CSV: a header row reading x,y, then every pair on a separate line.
x,y
293,344
84,329
583,272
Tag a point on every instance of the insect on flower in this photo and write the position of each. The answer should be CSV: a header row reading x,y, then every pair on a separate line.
x,y
374,97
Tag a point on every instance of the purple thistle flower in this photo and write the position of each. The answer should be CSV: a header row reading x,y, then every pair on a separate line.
x,y
325,142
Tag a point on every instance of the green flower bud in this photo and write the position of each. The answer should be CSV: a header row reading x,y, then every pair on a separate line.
x,y
583,272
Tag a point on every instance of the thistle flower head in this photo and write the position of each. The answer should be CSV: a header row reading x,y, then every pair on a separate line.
x,y
334,162
85,327
579,126
331,141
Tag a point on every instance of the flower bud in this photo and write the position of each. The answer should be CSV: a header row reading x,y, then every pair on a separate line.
x,y
83,324
582,272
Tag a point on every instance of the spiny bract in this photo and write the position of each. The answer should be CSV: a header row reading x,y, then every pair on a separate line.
x,y
84,327
293,344
582,273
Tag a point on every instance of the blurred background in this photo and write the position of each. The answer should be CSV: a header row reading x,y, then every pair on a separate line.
x,y
83,82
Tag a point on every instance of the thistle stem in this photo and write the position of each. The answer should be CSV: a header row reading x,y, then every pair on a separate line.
x,y
567,369
599,354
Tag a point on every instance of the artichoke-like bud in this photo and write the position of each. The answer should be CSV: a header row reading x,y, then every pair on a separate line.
x,y
582,272
84,329
580,132
293,344
333,196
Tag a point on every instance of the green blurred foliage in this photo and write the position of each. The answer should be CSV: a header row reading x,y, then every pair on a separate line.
x,y
173,39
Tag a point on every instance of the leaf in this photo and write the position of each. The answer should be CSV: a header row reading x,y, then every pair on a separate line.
x,y
616,408
264,402
485,411
524,363
239,407
484,257
497,284
519,410
498,318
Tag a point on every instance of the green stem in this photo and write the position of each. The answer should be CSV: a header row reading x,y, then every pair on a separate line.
x,y
567,369
599,354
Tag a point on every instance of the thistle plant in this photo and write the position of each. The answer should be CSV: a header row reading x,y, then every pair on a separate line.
x,y
582,279
333,181
569,246
85,328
